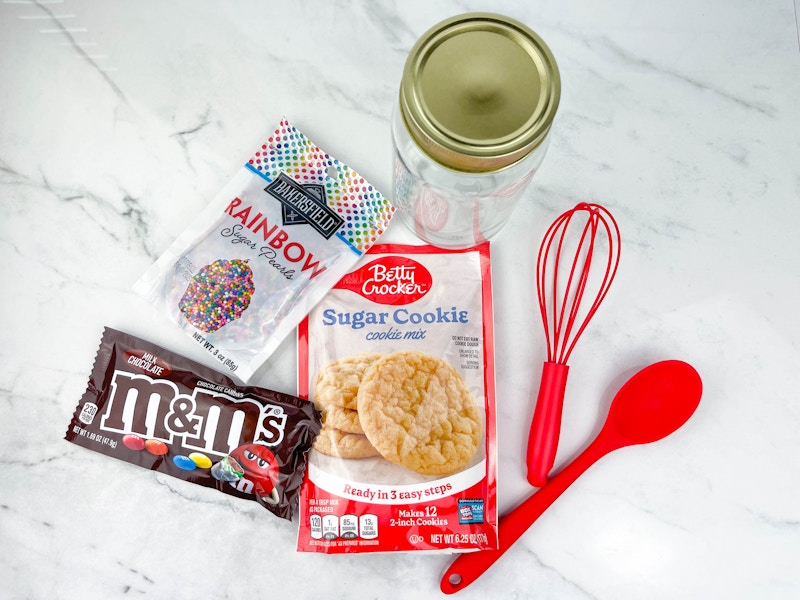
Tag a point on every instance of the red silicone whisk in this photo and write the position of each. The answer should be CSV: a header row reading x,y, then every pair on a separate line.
x,y
580,251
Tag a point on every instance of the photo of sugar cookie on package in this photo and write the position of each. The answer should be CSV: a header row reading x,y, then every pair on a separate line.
x,y
289,224
398,358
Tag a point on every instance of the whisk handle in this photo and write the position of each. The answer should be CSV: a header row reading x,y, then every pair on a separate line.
x,y
546,424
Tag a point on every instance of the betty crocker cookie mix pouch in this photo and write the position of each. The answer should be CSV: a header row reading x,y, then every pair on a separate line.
x,y
278,236
399,358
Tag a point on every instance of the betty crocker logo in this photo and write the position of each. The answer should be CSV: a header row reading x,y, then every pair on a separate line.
x,y
391,280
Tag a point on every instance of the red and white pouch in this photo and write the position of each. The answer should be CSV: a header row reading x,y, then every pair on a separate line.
x,y
403,301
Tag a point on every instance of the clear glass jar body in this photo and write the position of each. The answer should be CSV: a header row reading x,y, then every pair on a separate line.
x,y
450,208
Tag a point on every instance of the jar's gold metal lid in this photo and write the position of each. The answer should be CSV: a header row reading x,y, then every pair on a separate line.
x,y
479,92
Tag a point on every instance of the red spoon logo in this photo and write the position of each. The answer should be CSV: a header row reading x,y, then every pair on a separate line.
x,y
390,280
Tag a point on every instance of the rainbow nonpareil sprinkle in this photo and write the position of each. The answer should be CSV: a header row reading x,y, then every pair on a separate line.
x,y
218,294
280,234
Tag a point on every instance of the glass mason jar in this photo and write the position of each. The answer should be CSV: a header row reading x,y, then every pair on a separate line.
x,y
471,126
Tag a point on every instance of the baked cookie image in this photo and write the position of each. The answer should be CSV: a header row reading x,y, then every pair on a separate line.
x,y
419,413
344,419
337,382
334,442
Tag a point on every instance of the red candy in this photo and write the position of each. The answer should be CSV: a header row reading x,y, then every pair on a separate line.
x,y
134,442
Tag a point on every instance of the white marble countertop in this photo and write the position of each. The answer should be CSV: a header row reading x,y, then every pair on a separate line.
x,y
119,121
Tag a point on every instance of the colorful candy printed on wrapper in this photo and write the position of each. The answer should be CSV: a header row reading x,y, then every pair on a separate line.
x,y
277,237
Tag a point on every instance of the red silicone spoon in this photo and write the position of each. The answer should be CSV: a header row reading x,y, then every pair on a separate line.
x,y
652,404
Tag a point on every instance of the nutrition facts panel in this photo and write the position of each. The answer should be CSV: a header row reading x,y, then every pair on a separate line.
x,y
331,527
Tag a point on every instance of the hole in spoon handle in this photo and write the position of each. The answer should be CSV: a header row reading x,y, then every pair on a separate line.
x,y
451,583
466,568
546,424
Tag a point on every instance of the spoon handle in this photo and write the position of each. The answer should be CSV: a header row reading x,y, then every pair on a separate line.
x,y
467,567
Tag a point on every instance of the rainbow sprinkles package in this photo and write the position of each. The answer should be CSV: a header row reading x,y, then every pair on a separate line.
x,y
280,234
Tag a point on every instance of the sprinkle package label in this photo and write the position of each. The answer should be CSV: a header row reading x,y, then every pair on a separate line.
x,y
281,233
399,359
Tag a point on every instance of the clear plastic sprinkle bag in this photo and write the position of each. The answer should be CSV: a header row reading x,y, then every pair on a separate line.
x,y
277,237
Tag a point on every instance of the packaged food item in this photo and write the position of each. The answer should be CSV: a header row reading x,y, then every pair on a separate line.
x,y
399,357
278,236
150,407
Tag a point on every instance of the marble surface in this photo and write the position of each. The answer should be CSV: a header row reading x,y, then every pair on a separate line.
x,y
121,119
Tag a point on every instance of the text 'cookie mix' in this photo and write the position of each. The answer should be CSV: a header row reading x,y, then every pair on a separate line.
x,y
398,357
289,224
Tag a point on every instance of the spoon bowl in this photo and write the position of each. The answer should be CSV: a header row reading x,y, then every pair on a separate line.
x,y
653,403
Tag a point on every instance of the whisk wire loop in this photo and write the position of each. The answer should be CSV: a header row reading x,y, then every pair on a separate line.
x,y
561,307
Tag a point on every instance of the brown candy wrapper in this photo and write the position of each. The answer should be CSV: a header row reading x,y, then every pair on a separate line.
x,y
151,407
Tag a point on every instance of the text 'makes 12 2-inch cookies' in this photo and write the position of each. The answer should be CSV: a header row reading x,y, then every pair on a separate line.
x,y
399,358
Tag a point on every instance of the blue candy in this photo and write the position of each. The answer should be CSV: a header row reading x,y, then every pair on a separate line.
x,y
184,462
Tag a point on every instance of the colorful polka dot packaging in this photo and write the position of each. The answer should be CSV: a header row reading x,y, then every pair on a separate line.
x,y
282,232
365,211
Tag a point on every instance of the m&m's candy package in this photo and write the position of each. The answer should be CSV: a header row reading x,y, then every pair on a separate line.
x,y
280,234
150,407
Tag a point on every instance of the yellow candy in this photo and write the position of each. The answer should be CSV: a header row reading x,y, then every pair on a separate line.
x,y
201,460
